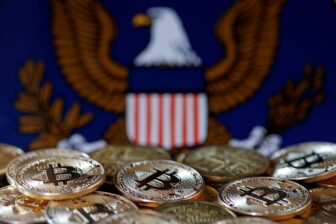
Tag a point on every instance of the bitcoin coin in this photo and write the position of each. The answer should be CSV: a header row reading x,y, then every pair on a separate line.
x,y
331,182
113,157
7,153
224,163
195,212
18,208
308,162
153,182
90,208
209,194
139,217
245,220
266,197
323,194
59,177
16,164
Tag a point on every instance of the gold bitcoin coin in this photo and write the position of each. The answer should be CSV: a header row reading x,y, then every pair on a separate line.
x,y
196,212
153,182
308,162
90,208
266,197
224,163
113,157
16,164
59,177
209,194
323,194
139,217
246,220
7,153
18,208
331,182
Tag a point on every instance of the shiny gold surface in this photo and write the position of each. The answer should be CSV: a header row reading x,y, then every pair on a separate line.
x,y
59,177
140,217
18,208
16,164
224,163
90,208
266,197
113,157
209,194
196,212
153,182
331,182
308,162
7,154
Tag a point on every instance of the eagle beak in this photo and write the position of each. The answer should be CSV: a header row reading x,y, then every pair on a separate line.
x,y
141,20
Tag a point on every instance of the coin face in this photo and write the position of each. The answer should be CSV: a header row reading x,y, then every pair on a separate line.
x,y
7,153
308,162
18,208
224,163
59,177
245,220
113,157
195,212
139,217
266,197
16,164
90,208
209,194
153,182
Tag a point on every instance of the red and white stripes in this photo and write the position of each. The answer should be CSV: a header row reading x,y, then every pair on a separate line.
x,y
166,120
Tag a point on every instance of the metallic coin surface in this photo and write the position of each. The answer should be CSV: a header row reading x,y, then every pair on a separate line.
x,y
140,217
331,182
209,194
18,208
8,153
113,157
194,212
266,197
308,162
245,220
153,182
16,164
224,163
323,194
90,208
59,177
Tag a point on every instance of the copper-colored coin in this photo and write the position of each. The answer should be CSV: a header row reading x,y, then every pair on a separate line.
x,y
225,163
331,182
308,162
209,194
90,208
7,154
266,197
113,157
60,177
19,162
140,217
323,194
153,182
18,208
196,212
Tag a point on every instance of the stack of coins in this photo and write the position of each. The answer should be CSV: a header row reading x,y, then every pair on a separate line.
x,y
132,184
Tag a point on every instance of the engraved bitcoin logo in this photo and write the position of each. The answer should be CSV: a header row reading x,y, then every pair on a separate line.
x,y
305,161
158,181
33,205
87,214
58,174
268,195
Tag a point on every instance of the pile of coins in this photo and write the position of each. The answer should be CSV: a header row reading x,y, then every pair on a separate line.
x,y
129,184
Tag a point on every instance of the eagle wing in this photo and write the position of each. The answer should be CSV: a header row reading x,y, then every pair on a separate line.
x,y
83,32
249,32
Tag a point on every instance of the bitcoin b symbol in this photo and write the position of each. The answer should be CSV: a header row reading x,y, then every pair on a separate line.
x,y
87,214
163,184
305,161
268,195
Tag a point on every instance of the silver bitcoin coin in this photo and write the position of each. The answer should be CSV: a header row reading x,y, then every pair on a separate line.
x,y
16,164
308,162
140,217
153,182
90,208
59,177
246,220
266,197
18,208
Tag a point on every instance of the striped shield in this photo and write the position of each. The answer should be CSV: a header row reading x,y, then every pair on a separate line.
x,y
167,120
